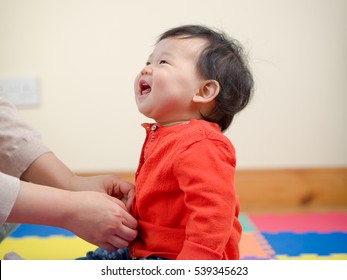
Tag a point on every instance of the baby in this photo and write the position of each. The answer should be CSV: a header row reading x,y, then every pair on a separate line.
x,y
193,84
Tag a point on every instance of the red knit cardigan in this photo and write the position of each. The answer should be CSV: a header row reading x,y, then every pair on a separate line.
x,y
185,200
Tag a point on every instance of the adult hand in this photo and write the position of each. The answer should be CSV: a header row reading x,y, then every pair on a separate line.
x,y
101,219
110,184
96,217
83,205
48,170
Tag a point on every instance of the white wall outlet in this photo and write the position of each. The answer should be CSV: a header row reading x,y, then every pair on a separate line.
x,y
20,91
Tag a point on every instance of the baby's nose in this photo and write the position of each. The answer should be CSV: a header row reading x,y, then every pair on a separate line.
x,y
147,70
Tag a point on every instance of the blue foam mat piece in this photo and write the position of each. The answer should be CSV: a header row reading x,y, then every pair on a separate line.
x,y
40,231
292,244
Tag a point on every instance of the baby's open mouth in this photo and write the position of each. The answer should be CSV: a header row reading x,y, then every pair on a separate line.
x,y
145,88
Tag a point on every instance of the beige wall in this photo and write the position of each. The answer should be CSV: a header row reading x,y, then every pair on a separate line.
x,y
87,53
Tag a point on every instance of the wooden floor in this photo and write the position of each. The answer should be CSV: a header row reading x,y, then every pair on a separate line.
x,y
286,190
292,189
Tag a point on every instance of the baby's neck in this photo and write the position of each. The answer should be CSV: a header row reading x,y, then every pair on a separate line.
x,y
174,123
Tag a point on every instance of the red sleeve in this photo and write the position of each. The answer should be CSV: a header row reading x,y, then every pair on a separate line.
x,y
205,173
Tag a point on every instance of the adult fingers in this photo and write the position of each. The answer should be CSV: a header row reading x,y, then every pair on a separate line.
x,y
129,221
126,233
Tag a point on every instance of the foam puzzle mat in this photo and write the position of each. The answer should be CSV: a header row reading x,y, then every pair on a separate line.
x,y
276,236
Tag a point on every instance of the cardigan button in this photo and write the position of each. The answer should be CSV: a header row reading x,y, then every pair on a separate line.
x,y
154,127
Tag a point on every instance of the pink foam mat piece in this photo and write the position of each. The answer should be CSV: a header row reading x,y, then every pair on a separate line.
x,y
302,222
253,245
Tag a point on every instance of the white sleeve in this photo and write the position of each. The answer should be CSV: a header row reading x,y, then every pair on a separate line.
x,y
9,189
20,144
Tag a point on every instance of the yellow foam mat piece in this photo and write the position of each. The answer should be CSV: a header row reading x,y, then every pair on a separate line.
x,y
52,248
313,257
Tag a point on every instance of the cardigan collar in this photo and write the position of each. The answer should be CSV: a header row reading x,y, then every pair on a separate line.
x,y
178,127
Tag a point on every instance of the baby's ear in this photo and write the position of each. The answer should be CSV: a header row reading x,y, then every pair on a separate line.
x,y
208,91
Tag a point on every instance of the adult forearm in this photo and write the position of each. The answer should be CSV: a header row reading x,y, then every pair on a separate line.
x,y
94,216
36,204
48,170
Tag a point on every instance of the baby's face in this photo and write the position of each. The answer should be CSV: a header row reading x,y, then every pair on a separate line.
x,y
165,87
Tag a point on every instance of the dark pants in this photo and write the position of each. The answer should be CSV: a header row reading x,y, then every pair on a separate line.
x,y
120,254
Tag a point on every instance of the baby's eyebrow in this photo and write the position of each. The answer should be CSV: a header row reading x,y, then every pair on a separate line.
x,y
168,54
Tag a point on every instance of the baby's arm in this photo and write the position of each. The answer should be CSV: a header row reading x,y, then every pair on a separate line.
x,y
206,176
